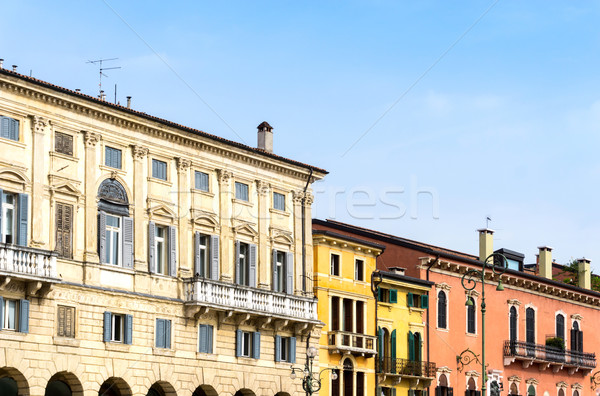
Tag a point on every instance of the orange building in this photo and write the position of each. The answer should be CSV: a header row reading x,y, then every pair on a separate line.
x,y
525,323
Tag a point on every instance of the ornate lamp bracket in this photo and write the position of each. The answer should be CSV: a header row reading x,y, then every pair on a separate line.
x,y
595,380
465,358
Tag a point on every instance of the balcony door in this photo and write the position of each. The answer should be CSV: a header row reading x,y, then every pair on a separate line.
x,y
513,330
530,331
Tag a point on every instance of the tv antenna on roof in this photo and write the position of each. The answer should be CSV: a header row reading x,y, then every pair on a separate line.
x,y
487,221
101,70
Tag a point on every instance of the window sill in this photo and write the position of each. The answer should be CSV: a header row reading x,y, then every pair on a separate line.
x,y
114,268
107,168
202,192
442,329
64,156
279,212
242,202
15,143
12,335
160,181
163,351
411,309
247,359
162,276
206,356
471,335
65,341
116,346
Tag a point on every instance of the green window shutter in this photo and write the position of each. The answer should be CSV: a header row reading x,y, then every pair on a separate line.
x,y
424,301
274,273
379,293
393,296
238,278
128,329
380,344
410,300
393,391
24,316
106,333
411,346
393,351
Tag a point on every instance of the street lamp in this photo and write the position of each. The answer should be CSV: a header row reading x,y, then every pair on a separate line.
x,y
469,282
310,382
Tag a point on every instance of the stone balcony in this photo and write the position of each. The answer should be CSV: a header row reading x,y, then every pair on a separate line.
x,y
34,267
354,343
546,356
245,303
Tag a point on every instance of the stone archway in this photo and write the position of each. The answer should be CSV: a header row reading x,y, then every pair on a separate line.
x,y
244,392
205,390
64,383
114,387
161,388
11,379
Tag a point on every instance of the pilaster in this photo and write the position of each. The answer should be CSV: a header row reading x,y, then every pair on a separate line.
x,y
225,211
308,245
264,257
184,204
297,197
39,220
139,154
91,219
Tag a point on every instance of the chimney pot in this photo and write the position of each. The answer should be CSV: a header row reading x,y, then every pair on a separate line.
x,y
14,68
585,277
1,63
129,102
265,137
545,262
486,243
398,270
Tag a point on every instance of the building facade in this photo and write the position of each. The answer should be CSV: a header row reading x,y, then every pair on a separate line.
x,y
346,304
141,257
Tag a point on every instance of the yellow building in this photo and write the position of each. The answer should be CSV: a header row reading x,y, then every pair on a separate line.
x,y
402,366
142,257
343,267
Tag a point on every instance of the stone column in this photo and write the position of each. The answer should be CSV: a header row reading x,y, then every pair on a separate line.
x,y
264,251
225,214
39,222
184,204
139,181
308,200
91,207
297,197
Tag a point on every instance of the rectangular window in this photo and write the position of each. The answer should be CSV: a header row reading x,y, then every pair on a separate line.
x,y
112,157
247,344
161,241
285,349
243,270
14,315
159,169
359,270
201,181
279,281
205,338
113,240
64,227
66,321
9,223
9,128
278,201
203,254
117,328
241,191
335,264
11,314
163,333
117,325
63,143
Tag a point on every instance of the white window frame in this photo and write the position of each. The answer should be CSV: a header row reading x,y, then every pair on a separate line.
x,y
7,315
162,261
12,227
109,231
283,198
117,329
205,254
467,315
247,339
284,349
280,270
362,275
245,199
339,264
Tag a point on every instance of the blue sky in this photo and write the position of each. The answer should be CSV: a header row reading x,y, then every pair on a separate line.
x,y
505,124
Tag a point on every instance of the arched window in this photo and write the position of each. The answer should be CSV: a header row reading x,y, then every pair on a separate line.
x,y
115,227
530,325
513,325
442,308
561,392
443,389
560,326
348,377
531,389
514,390
575,392
576,338
471,328
471,388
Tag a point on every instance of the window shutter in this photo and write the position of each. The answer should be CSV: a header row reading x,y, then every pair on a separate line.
x,y
393,296
278,348
107,327
24,316
4,127
411,392
393,348
424,301
197,263
252,261
238,343
580,341
256,345
380,344
438,391
1,313
58,224
477,393
160,333
128,329
238,278
102,236
289,273
214,257
151,247
172,252
274,286
378,391
573,339
167,334
411,346
450,392
127,242
14,129
379,292
62,313
292,350
393,391
209,339
203,339
64,225
1,219
409,300
22,219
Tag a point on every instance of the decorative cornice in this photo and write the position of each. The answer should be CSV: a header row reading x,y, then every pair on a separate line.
x,y
532,381
444,370
513,301
577,386
183,164
224,176
139,152
514,378
262,187
91,138
562,384
443,286
576,317
472,374
472,293
38,124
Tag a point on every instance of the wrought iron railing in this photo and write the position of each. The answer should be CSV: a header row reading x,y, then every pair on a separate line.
x,y
544,353
406,367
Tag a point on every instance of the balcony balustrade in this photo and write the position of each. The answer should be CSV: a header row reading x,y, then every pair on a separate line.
x,y
355,343
35,267
406,368
546,356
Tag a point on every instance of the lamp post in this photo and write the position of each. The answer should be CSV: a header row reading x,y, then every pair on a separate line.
x,y
310,382
469,282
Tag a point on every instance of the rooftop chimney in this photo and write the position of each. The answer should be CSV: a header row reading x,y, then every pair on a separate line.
x,y
584,278
397,270
102,95
129,102
1,63
486,243
265,137
15,68
77,90
545,262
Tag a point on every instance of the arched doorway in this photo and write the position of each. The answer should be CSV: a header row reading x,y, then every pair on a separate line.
x,y
348,377
244,392
471,387
114,387
205,390
161,388
64,384
12,382
58,388
514,390
8,387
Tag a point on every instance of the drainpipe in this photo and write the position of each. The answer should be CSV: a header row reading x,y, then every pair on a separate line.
x,y
374,287
437,259
304,233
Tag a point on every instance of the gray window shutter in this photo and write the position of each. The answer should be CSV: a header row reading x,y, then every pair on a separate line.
x,y
24,316
128,329
1,313
394,391
292,349
209,340
160,333
151,247
274,273
22,219
214,257
107,327
252,267
102,236
172,252
238,343
1,219
167,334
278,348
127,242
256,345
238,279
203,339
197,264
289,273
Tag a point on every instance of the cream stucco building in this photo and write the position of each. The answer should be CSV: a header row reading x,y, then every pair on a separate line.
x,y
141,257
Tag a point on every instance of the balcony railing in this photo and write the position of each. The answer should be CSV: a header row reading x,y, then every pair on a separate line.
x,y
352,342
548,354
229,296
27,263
405,367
